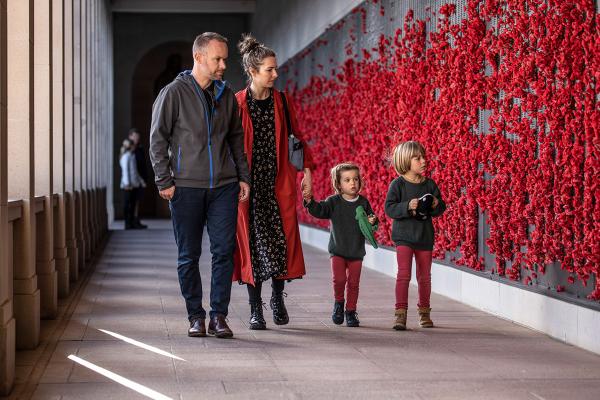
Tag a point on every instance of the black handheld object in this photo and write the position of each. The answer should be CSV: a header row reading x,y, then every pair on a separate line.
x,y
424,207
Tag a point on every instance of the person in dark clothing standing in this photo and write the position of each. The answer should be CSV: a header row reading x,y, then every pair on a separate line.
x,y
346,243
140,161
412,229
197,153
130,182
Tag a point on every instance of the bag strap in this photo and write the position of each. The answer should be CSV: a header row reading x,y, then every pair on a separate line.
x,y
287,114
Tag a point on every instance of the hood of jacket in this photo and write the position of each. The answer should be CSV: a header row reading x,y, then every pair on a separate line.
x,y
217,87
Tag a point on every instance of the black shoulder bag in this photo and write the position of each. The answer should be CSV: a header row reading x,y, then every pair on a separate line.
x,y
295,147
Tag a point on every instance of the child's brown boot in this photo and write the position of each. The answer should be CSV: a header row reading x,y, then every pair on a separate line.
x,y
424,317
400,323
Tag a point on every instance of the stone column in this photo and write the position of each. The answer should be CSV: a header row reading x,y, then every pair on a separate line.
x,y
7,321
43,164
21,169
91,120
86,127
108,128
96,119
69,164
61,258
77,133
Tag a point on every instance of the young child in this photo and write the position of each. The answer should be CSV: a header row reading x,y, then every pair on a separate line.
x,y
412,230
346,242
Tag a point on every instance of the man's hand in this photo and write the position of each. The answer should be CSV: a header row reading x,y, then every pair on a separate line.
x,y
244,192
167,193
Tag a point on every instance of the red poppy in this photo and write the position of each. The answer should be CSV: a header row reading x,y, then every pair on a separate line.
x,y
504,101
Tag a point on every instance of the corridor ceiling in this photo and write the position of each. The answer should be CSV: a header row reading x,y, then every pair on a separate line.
x,y
183,6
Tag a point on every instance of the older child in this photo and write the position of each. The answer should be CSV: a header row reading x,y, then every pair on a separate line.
x,y
346,243
411,201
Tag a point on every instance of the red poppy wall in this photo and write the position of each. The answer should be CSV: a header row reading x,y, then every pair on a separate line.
x,y
504,97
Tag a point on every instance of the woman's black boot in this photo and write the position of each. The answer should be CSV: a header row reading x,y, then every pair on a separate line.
x,y
257,320
280,314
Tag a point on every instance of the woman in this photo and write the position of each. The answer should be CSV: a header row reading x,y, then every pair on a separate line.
x,y
268,238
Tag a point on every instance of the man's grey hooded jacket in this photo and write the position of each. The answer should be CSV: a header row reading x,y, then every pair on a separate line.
x,y
193,144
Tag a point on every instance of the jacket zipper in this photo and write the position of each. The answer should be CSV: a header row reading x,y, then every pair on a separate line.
x,y
210,160
209,124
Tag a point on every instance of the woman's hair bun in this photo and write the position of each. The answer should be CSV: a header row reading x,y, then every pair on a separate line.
x,y
248,44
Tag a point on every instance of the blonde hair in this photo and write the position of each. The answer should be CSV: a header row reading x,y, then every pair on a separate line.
x,y
126,146
403,154
336,176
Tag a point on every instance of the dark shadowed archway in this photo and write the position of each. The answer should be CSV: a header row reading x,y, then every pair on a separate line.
x,y
154,70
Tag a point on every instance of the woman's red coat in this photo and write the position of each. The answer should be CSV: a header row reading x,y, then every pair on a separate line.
x,y
286,190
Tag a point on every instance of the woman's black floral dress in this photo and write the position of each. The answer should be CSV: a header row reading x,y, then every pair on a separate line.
x,y
267,242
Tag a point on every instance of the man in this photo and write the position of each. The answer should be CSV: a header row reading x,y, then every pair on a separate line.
x,y
197,152
140,162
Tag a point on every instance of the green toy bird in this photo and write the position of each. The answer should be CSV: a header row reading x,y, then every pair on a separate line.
x,y
365,226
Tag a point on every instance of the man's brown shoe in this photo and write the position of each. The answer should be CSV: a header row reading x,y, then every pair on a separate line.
x,y
197,328
218,327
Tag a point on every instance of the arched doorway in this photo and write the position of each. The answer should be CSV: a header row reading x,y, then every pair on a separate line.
x,y
155,69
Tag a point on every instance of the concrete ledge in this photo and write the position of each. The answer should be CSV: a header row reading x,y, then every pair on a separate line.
x,y
73,254
7,357
48,286
564,321
15,210
27,316
62,270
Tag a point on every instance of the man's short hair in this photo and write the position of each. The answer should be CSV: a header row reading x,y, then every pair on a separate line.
x,y
203,39
133,130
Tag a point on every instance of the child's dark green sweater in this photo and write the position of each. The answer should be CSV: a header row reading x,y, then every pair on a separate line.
x,y
346,239
406,230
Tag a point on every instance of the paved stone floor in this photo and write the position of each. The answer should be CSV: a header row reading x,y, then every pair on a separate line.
x,y
134,292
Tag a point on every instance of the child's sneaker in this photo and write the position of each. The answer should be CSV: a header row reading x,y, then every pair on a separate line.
x,y
338,313
400,323
352,319
425,317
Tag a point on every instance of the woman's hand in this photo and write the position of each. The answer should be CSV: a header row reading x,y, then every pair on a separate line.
x,y
435,202
307,195
372,219
306,184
